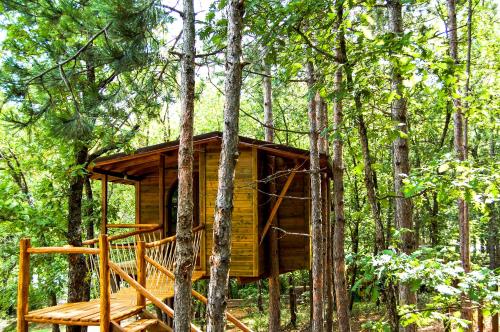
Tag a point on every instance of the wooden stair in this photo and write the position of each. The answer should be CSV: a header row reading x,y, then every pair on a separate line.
x,y
140,325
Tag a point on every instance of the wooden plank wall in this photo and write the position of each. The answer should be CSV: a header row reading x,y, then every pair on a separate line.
x,y
293,216
244,248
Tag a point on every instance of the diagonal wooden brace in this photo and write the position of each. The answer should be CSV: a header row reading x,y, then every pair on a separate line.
x,y
278,203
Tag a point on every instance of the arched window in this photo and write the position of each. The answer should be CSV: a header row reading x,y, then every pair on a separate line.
x,y
173,197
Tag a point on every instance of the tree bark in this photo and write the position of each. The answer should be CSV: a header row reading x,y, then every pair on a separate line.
x,y
274,278
370,178
221,251
461,153
316,212
403,206
493,242
77,289
341,296
184,241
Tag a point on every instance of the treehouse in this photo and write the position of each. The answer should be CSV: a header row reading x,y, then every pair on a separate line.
x,y
131,264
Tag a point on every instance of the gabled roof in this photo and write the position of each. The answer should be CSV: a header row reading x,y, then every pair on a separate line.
x,y
115,165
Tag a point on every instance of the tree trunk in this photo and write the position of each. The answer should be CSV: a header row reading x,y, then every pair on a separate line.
x,y
401,160
221,252
493,236
460,150
341,296
293,301
370,178
184,254
274,277
260,304
316,212
78,290
53,302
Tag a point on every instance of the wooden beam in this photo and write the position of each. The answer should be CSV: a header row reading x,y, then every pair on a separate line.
x,y
132,225
104,282
161,192
115,174
104,204
23,285
138,202
278,203
64,250
141,271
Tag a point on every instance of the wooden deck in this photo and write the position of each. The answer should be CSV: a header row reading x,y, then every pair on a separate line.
x,y
123,305
82,313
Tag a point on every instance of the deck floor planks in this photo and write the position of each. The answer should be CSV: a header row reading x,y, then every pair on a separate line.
x,y
122,304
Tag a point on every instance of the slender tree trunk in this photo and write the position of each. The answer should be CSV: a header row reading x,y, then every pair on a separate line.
x,y
342,298
460,150
293,301
77,290
53,302
401,160
274,278
260,304
184,241
316,217
370,178
221,251
493,242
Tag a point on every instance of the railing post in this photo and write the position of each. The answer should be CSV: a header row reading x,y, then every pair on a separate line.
x,y
141,271
104,280
23,285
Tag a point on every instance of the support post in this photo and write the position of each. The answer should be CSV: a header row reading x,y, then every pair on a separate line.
x,y
104,279
141,271
23,285
104,204
161,193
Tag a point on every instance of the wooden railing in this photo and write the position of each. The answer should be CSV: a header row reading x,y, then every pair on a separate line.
x,y
143,293
197,295
24,277
143,254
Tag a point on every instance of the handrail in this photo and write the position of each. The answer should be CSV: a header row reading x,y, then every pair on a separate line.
x,y
64,250
125,235
24,278
171,238
131,225
141,289
197,295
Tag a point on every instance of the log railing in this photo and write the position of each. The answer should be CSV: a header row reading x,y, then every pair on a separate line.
x,y
104,269
145,294
25,279
197,295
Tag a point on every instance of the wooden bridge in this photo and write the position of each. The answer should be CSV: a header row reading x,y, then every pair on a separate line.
x,y
126,272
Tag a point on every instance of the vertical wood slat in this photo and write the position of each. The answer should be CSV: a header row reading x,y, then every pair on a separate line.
x,y
141,271
203,195
161,194
255,209
138,202
104,204
104,279
23,285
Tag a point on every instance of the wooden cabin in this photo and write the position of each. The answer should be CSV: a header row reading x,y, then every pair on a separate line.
x,y
153,172
127,271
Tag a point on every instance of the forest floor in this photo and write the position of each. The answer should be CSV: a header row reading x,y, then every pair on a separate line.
x,y
258,321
